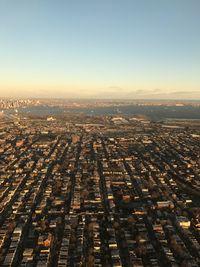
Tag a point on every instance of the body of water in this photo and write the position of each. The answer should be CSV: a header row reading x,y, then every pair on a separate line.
x,y
152,112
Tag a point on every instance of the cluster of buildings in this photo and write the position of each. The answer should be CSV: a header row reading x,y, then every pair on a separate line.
x,y
98,195
17,103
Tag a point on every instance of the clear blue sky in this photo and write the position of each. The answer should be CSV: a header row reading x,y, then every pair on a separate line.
x,y
100,48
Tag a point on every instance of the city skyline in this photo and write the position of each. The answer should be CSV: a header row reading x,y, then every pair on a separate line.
x,y
100,49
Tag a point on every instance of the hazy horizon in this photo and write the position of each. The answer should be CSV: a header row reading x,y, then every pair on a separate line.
x,y
100,49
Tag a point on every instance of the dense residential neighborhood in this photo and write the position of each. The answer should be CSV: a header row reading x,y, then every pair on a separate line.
x,y
99,191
